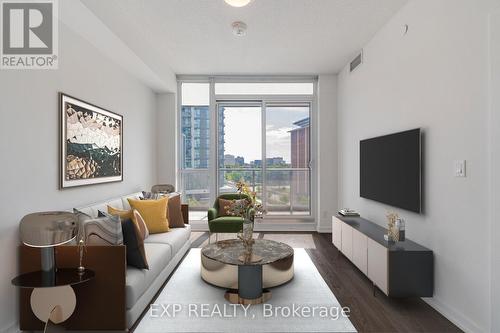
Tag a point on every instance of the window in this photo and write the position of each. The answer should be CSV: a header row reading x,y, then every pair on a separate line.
x,y
264,88
195,145
262,135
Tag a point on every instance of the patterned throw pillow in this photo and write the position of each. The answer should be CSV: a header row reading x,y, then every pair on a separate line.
x,y
224,205
103,230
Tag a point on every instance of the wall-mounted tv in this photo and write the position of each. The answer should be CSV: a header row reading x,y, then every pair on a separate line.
x,y
390,170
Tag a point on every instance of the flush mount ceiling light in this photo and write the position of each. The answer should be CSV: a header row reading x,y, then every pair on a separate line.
x,y
238,3
239,28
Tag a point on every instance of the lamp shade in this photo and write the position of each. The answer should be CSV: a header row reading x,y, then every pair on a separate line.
x,y
47,229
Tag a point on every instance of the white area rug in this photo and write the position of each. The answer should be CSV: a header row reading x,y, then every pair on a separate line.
x,y
188,304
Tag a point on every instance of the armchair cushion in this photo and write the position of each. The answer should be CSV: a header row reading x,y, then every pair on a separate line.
x,y
226,224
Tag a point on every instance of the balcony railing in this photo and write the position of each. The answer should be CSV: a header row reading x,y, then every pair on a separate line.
x,y
284,191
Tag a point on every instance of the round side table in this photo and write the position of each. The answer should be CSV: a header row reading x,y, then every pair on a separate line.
x,y
53,299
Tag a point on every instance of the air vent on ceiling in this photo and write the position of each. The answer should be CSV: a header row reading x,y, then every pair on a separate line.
x,y
356,62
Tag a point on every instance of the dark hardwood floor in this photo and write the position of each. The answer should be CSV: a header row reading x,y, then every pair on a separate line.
x,y
352,288
371,313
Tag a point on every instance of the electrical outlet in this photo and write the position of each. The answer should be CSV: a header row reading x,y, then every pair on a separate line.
x,y
460,168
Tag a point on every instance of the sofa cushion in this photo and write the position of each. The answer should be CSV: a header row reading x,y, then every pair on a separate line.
x,y
176,238
139,280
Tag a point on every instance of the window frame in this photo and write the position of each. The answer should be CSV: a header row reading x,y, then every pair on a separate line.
x,y
214,100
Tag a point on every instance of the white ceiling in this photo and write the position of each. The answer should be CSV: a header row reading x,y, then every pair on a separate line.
x,y
284,36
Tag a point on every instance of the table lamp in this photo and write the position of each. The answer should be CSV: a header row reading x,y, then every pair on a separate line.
x,y
46,230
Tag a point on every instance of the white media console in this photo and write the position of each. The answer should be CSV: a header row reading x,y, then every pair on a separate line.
x,y
401,269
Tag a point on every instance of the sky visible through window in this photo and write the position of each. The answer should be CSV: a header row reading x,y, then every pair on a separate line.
x,y
243,131
242,128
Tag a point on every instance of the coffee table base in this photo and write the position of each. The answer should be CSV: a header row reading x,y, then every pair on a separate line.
x,y
233,297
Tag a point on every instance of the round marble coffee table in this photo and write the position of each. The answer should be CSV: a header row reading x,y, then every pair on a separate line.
x,y
247,282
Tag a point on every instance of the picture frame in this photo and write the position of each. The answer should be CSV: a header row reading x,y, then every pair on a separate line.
x,y
91,143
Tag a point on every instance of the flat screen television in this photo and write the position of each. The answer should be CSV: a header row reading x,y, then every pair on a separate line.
x,y
390,170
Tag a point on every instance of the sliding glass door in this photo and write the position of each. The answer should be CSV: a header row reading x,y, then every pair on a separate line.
x,y
239,146
287,179
233,129
266,144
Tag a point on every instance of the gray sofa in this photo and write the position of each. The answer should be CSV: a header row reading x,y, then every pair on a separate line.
x,y
163,252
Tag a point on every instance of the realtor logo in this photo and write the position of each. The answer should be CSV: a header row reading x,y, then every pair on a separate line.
x,y
29,34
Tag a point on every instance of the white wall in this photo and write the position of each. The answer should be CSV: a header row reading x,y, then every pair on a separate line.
x,y
495,163
29,138
436,78
167,138
327,151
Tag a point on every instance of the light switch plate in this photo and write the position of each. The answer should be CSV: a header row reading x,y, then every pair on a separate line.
x,y
460,168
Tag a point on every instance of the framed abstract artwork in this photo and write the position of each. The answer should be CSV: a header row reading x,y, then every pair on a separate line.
x,y
91,144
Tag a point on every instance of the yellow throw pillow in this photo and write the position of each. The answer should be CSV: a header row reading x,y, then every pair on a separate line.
x,y
123,214
154,213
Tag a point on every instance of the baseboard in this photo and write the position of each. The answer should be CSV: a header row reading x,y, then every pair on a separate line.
x,y
13,328
325,229
278,226
301,226
457,318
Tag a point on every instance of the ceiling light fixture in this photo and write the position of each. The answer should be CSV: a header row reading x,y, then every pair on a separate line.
x,y
239,28
238,3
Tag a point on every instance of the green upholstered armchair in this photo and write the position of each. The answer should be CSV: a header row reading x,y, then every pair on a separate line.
x,y
225,224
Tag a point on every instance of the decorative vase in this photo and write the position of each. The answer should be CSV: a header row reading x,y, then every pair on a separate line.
x,y
246,236
392,232
247,232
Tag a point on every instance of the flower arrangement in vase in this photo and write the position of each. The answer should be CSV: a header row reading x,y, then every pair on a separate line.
x,y
392,230
249,208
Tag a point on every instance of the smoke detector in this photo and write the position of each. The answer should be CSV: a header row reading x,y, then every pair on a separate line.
x,y
239,28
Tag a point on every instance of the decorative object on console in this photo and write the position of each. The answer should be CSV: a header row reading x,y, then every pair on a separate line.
x,y
400,226
392,231
348,212
91,144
